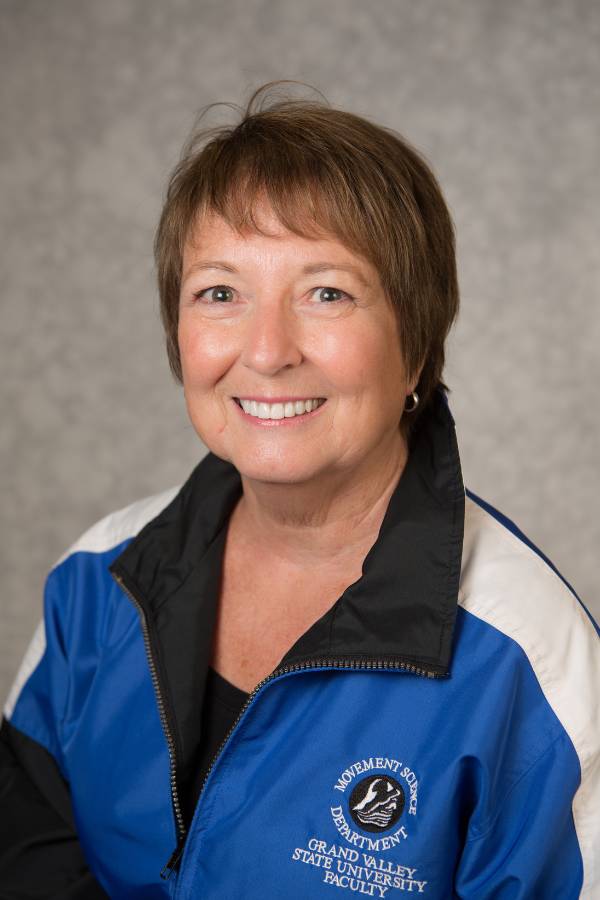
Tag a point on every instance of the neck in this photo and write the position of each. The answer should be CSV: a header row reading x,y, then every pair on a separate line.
x,y
325,522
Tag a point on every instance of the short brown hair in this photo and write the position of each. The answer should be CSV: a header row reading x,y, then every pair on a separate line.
x,y
324,170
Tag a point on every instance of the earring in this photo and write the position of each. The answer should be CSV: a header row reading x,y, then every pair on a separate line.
x,y
415,402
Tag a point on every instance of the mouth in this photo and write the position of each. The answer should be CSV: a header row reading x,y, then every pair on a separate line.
x,y
286,413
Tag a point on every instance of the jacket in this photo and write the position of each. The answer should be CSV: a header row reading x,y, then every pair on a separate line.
x,y
435,732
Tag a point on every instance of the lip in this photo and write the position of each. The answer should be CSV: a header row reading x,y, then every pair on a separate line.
x,y
281,399
279,423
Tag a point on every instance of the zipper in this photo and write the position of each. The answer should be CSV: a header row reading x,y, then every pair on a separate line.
x,y
181,829
173,864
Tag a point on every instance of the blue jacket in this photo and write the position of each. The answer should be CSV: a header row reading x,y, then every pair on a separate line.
x,y
435,732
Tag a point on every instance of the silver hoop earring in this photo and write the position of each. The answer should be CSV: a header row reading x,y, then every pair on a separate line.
x,y
415,402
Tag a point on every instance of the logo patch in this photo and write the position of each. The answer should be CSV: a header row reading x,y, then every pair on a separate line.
x,y
379,794
377,802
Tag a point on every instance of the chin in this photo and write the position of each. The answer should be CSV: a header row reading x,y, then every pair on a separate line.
x,y
272,471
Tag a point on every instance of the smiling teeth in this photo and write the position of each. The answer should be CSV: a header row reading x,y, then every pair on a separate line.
x,y
279,410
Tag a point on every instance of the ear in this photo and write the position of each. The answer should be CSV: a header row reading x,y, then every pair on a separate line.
x,y
415,377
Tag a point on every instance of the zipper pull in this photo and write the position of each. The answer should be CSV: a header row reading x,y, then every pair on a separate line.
x,y
173,863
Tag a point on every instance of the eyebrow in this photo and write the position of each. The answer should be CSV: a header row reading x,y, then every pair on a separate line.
x,y
311,269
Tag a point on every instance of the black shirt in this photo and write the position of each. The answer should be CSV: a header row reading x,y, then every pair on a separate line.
x,y
223,702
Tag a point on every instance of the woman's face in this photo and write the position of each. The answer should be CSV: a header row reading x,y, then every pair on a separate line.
x,y
283,319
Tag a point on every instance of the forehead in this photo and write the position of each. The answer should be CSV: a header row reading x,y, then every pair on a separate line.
x,y
212,238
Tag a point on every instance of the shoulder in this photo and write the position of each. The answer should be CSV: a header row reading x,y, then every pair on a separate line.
x,y
119,526
500,562
511,586
79,591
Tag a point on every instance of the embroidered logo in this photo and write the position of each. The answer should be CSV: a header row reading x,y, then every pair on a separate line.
x,y
377,802
378,793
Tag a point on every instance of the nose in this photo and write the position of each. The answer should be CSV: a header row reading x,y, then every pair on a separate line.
x,y
271,339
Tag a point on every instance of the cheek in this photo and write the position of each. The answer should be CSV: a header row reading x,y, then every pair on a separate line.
x,y
345,356
375,374
365,360
204,354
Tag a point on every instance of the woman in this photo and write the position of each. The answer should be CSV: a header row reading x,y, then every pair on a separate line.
x,y
320,663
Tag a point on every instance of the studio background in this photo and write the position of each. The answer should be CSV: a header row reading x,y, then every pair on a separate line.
x,y
96,99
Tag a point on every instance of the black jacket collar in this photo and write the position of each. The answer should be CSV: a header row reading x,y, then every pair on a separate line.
x,y
401,610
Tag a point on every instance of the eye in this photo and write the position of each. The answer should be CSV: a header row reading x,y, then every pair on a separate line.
x,y
219,290
331,290
216,289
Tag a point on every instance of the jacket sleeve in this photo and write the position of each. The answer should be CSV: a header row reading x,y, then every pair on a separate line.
x,y
40,854
532,846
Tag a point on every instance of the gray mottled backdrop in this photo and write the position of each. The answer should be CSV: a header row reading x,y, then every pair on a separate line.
x,y
96,98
